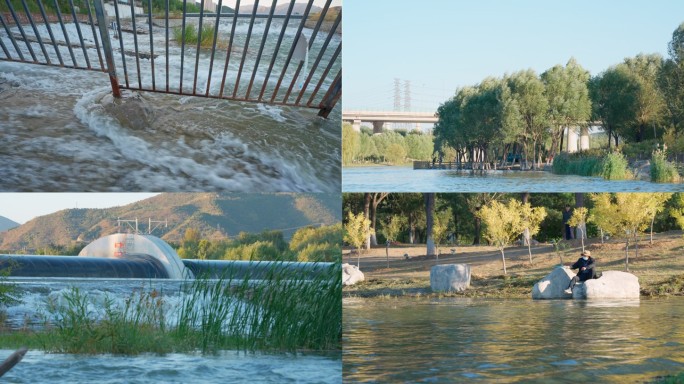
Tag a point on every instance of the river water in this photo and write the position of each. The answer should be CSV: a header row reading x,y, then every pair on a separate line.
x,y
406,179
482,340
60,129
225,366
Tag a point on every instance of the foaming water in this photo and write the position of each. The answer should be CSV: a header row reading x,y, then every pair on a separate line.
x,y
406,179
224,367
60,130
151,142
452,340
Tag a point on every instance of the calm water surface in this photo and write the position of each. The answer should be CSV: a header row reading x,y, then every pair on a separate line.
x,y
405,179
463,340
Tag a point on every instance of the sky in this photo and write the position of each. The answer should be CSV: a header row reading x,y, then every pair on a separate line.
x,y
22,207
439,45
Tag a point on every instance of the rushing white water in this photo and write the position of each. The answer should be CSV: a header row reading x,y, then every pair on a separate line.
x,y
60,130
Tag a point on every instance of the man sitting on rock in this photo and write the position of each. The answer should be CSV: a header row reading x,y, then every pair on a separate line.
x,y
585,264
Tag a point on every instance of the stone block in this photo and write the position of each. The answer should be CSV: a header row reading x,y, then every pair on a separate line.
x,y
450,277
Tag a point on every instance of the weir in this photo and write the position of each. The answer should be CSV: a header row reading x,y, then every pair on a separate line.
x,y
132,256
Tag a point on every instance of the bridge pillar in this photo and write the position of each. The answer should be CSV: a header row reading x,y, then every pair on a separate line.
x,y
356,124
377,126
584,139
572,140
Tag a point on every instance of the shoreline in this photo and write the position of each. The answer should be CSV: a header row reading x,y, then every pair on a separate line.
x,y
658,267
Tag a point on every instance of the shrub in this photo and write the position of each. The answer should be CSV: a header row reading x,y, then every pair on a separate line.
x,y
615,167
662,171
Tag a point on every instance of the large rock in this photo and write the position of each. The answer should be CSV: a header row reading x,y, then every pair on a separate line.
x,y
351,274
553,284
612,285
450,277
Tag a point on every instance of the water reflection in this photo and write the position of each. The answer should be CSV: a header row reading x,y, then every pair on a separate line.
x,y
405,179
510,340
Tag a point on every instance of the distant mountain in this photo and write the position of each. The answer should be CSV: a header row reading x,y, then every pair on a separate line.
x,y
214,215
6,224
281,9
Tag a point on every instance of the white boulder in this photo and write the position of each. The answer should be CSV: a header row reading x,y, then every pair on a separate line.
x,y
351,274
611,285
553,284
450,277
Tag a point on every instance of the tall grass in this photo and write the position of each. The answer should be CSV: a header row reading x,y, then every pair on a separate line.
x,y
190,36
615,167
577,164
280,312
662,171
612,166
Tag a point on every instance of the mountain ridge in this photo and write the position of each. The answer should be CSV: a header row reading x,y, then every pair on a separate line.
x,y
215,215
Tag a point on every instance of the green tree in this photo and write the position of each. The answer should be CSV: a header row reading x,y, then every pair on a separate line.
x,y
503,224
395,153
579,220
527,111
622,214
420,146
356,230
671,81
567,91
531,219
350,144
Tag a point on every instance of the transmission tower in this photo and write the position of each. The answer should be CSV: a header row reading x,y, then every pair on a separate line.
x,y
397,94
407,95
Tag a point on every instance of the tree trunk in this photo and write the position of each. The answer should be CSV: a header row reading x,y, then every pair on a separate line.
x,y
529,251
627,255
478,224
366,214
429,218
503,259
652,220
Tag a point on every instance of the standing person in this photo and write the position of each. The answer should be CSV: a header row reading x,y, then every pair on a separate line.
x,y
567,214
585,264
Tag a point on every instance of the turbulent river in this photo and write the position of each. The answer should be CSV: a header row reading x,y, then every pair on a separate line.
x,y
481,340
60,129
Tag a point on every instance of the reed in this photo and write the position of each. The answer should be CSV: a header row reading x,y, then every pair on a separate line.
x,y
279,312
615,167
191,36
662,171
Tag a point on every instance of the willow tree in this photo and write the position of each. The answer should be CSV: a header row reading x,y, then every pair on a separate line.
x,y
649,100
503,224
613,93
566,89
527,111
671,80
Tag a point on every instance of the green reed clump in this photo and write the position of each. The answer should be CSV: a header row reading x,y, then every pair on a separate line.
x,y
662,171
189,35
82,327
615,167
281,311
577,164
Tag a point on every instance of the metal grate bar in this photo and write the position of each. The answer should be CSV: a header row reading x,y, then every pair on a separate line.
x,y
254,53
338,20
52,36
21,31
14,42
276,50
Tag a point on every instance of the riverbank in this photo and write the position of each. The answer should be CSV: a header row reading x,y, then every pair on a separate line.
x,y
659,267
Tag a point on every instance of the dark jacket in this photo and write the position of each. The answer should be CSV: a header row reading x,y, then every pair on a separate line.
x,y
589,272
